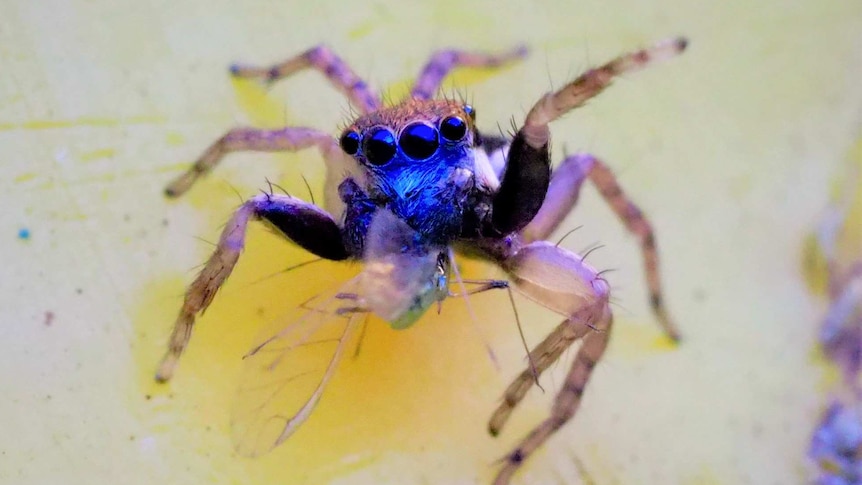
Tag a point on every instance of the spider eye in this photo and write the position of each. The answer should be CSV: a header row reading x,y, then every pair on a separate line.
x,y
470,112
453,128
350,142
419,141
379,146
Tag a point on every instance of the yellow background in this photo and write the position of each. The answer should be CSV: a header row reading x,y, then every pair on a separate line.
x,y
730,149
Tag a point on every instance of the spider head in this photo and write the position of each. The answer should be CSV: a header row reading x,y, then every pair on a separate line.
x,y
419,159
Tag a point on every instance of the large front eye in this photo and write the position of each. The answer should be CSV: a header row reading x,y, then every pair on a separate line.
x,y
419,141
379,146
453,128
350,142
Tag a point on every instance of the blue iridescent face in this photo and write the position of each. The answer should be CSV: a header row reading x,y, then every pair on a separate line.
x,y
419,160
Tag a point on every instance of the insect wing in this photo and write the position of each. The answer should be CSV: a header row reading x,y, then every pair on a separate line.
x,y
285,374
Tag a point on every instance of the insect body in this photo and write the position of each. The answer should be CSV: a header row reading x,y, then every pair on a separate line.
x,y
421,180
401,276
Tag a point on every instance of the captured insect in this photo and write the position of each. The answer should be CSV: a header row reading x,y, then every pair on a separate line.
x,y
407,186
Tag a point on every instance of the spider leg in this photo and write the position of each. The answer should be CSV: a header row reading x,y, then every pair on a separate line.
x,y
442,62
254,139
587,85
562,282
543,356
323,59
526,177
568,399
303,223
562,196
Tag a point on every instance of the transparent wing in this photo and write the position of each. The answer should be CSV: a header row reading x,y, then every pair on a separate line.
x,y
285,374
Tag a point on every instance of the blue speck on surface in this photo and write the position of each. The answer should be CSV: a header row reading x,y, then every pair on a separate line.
x,y
24,233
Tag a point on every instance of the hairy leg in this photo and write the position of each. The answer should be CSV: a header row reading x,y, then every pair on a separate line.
x,y
587,85
323,59
526,177
568,399
562,196
442,62
560,281
556,278
304,223
542,356
254,139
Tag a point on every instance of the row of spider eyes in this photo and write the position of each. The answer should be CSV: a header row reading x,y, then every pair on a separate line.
x,y
418,141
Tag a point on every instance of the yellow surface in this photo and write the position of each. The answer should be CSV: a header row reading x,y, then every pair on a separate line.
x,y
731,149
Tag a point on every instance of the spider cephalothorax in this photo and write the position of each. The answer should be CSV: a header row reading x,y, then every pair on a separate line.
x,y
421,180
419,162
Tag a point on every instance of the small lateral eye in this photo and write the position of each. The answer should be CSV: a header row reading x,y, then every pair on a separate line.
x,y
453,128
470,112
350,142
379,146
419,141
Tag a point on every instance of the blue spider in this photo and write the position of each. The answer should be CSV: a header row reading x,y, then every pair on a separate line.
x,y
405,185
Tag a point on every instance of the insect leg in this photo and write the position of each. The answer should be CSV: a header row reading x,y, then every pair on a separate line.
x,y
562,196
327,62
568,399
442,62
305,224
292,138
482,286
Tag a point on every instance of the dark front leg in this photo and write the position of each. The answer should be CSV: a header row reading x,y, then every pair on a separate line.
x,y
307,225
523,186
527,174
303,223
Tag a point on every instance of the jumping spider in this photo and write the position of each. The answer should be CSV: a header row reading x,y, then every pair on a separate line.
x,y
421,179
